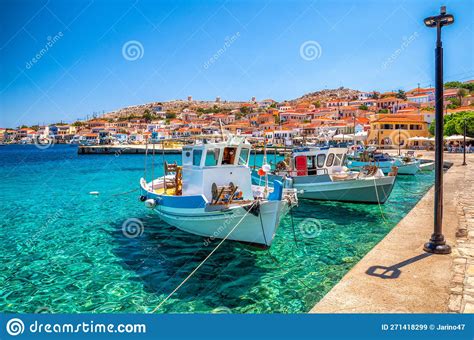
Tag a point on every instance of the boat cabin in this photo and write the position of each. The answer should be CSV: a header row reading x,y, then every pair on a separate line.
x,y
221,164
318,161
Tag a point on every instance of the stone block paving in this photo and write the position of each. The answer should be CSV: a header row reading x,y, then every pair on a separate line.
x,y
461,298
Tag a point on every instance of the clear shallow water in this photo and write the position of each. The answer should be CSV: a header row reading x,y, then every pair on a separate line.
x,y
63,250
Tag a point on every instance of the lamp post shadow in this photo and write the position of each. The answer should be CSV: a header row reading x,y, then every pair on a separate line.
x,y
393,272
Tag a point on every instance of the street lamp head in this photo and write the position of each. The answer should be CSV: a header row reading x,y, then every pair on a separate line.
x,y
443,19
430,21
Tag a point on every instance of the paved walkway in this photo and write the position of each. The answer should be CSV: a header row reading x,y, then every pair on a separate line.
x,y
462,283
397,276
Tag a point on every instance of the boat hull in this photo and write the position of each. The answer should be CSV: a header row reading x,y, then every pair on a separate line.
x,y
253,227
427,166
375,190
407,168
366,190
257,221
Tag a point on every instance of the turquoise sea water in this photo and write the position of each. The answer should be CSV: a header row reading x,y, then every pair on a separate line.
x,y
63,250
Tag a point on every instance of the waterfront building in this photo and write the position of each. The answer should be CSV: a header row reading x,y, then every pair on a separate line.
x,y
395,129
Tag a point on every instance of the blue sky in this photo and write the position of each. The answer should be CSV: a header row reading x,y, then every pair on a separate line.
x,y
231,49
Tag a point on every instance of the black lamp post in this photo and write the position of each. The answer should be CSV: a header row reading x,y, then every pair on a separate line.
x,y
437,243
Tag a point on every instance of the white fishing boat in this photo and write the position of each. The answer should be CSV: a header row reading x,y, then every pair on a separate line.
x,y
427,165
212,195
406,165
320,174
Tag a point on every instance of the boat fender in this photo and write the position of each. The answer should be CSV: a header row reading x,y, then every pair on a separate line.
x,y
142,198
150,203
266,168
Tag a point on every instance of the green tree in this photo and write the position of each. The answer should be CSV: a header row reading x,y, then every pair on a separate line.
x,y
170,115
453,84
245,110
148,116
455,103
317,104
401,95
461,94
383,111
363,107
78,123
454,124
458,85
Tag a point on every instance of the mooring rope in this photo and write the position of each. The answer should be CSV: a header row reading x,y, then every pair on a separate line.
x,y
378,201
203,261
126,192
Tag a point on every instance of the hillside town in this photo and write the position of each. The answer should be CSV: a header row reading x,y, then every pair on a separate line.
x,y
384,119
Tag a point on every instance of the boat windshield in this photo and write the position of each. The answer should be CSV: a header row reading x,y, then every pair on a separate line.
x,y
212,157
244,156
197,154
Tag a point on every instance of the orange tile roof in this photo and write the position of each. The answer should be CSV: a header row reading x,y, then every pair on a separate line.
x,y
400,118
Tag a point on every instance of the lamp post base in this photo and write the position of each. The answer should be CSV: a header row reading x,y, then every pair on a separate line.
x,y
437,247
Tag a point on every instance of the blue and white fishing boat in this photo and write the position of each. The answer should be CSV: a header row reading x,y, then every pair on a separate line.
x,y
385,162
319,174
212,195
